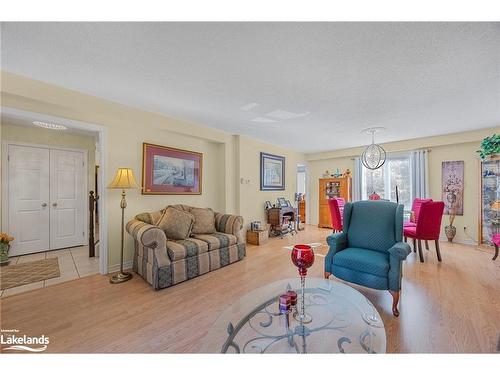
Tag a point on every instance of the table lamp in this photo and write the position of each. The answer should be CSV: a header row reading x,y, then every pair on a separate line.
x,y
124,179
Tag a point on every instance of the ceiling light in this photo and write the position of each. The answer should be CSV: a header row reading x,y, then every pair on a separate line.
x,y
49,125
285,115
263,120
373,157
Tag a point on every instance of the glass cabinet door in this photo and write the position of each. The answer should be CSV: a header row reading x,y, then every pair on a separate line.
x,y
490,200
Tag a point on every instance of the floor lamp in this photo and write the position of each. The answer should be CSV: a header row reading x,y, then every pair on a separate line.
x,y
124,179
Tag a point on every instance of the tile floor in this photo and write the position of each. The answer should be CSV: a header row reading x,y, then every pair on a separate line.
x,y
74,263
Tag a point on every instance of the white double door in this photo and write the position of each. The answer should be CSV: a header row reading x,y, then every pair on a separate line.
x,y
46,198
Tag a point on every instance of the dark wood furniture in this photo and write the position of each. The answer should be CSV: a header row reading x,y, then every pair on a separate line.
x,y
282,220
92,208
302,211
331,188
257,237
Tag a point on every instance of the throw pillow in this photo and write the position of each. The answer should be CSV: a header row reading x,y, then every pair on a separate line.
x,y
176,224
204,220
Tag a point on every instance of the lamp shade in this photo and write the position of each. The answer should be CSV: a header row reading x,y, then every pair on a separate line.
x,y
124,179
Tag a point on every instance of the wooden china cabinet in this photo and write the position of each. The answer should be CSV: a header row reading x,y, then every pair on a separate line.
x,y
331,188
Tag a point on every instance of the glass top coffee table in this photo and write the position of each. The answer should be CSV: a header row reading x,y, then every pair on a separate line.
x,y
343,321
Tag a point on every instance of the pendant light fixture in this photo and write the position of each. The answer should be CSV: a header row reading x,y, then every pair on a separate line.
x,y
373,157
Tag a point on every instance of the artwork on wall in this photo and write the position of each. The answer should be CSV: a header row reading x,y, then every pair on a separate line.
x,y
453,187
167,170
272,172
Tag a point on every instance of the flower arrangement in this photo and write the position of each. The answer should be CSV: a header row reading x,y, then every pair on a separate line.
x,y
5,238
489,146
5,241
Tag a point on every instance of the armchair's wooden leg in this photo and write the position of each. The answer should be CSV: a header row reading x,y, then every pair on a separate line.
x,y
395,301
414,245
496,252
327,275
406,239
420,251
426,245
437,250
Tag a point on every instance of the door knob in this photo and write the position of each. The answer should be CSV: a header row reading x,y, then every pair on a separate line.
x,y
54,204
44,204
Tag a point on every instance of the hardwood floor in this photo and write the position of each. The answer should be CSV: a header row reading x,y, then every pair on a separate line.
x,y
449,307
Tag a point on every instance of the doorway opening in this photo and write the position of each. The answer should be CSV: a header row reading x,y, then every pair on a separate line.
x,y
49,177
301,194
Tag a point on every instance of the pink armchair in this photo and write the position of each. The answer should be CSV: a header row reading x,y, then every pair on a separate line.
x,y
428,227
415,208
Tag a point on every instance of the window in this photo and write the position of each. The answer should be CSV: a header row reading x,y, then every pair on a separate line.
x,y
395,172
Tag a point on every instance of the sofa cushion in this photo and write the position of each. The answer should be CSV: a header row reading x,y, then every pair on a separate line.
x,y
182,207
204,220
363,260
150,217
180,249
176,224
217,240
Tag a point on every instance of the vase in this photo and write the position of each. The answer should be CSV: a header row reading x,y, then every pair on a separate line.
x,y
450,232
4,253
303,258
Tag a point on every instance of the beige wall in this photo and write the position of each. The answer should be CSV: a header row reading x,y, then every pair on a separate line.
x,y
225,157
40,136
127,129
460,146
251,198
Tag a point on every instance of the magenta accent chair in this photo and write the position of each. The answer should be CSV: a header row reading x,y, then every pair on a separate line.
x,y
496,241
336,206
415,208
428,227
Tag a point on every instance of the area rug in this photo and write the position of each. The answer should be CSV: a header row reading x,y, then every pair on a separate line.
x,y
27,273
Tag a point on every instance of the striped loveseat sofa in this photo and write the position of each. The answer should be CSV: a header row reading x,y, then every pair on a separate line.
x,y
163,262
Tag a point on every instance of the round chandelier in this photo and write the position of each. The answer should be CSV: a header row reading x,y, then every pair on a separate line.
x,y
373,157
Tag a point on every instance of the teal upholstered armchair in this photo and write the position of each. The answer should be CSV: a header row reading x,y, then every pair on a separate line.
x,y
369,251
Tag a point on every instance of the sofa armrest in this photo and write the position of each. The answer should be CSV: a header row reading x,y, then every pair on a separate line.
x,y
337,242
398,253
230,224
150,236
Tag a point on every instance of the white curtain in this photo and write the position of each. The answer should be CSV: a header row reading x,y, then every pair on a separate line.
x,y
420,173
356,180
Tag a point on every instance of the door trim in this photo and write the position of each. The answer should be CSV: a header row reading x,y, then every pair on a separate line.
x,y
73,124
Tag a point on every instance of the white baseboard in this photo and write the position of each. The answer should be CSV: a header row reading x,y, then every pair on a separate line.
x,y
466,241
126,265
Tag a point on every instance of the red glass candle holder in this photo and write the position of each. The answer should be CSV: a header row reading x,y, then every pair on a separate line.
x,y
303,258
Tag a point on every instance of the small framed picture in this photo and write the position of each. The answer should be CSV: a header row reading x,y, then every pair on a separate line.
x,y
282,202
268,205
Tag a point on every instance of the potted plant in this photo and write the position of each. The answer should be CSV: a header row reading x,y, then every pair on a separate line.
x,y
450,230
490,147
5,241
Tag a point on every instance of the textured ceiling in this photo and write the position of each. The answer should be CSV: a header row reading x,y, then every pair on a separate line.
x,y
307,86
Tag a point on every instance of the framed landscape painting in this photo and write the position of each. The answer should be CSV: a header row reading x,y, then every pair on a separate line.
x,y
167,170
272,172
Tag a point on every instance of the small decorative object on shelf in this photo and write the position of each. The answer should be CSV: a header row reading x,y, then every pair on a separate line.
x,y
303,258
5,241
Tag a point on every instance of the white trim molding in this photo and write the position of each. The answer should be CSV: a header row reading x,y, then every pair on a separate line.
x,y
102,132
116,267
